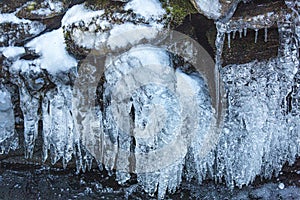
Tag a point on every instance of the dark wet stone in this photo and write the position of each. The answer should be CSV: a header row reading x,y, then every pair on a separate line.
x,y
8,6
17,34
243,50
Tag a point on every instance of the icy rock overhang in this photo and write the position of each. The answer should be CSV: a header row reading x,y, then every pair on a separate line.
x,y
257,15
96,28
253,31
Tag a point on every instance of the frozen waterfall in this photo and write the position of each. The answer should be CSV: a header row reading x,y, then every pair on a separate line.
x,y
150,113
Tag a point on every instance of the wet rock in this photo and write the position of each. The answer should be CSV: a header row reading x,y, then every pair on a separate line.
x,y
201,29
8,6
13,33
36,10
247,16
178,11
244,49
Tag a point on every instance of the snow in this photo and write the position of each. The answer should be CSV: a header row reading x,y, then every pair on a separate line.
x,y
78,13
42,11
54,5
12,52
6,18
147,9
49,8
52,48
25,65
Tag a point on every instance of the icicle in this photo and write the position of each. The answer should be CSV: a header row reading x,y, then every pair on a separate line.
x,y
256,35
8,137
241,33
266,34
219,46
233,34
245,31
29,105
228,38
58,125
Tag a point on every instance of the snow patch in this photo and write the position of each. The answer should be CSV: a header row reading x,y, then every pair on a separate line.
x,y
50,7
11,18
52,48
12,52
147,9
78,13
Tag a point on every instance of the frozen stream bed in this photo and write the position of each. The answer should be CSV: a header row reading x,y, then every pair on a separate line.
x,y
45,183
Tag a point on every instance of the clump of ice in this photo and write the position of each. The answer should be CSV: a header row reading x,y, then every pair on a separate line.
x,y
281,186
129,33
147,9
211,8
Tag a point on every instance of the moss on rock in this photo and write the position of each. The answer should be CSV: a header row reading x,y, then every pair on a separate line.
x,y
103,4
178,10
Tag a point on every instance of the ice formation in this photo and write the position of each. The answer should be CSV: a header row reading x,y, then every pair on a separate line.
x,y
58,126
8,137
150,104
210,8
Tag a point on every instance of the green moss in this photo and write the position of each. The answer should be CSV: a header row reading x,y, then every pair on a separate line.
x,y
31,6
178,10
